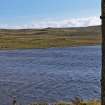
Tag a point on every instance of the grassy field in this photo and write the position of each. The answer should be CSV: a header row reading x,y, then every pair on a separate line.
x,y
49,37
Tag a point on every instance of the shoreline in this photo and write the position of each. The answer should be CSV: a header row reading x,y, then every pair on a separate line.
x,y
74,46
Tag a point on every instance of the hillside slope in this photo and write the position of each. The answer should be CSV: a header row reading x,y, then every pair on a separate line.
x,y
49,37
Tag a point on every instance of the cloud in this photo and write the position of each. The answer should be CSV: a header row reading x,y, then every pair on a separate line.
x,y
76,22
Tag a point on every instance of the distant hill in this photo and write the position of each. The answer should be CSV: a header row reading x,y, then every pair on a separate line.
x,y
49,37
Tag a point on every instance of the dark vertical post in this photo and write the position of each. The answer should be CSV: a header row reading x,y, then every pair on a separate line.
x,y
103,54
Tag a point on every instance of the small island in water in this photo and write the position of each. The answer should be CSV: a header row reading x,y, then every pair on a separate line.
x,y
49,37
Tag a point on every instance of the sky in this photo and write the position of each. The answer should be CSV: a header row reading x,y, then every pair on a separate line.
x,y
49,13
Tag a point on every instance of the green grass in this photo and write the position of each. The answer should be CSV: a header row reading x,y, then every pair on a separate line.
x,y
50,37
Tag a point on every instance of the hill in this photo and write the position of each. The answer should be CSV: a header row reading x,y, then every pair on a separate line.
x,y
49,37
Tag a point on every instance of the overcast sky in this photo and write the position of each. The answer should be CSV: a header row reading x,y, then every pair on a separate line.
x,y
49,13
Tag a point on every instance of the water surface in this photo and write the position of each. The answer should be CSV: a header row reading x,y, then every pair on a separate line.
x,y
50,75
